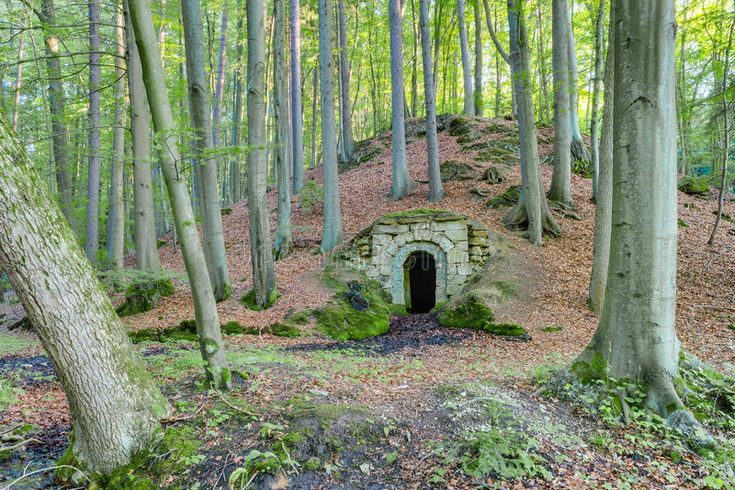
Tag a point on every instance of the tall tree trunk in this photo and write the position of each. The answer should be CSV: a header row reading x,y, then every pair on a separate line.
x,y
436,191
314,103
116,215
595,117
220,84
207,319
297,123
579,149
561,182
726,136
282,244
469,98
542,62
235,172
261,252
214,240
115,406
603,210
636,336
93,117
332,227
401,181
18,80
60,135
681,105
532,210
146,246
479,104
414,62
344,71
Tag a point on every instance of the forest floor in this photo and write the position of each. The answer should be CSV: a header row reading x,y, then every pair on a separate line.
x,y
419,406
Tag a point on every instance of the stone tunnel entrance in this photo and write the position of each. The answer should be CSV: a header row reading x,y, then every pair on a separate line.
x,y
421,257
419,282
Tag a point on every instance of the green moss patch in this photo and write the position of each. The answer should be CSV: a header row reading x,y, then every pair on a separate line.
x,y
508,198
142,296
311,197
471,312
249,301
694,186
360,309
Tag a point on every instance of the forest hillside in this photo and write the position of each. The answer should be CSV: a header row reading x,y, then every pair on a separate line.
x,y
382,404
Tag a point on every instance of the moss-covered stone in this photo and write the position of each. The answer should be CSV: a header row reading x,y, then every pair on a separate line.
x,y
694,186
471,312
508,198
456,170
142,296
343,318
285,329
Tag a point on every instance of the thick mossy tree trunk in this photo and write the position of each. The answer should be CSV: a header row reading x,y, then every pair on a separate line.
x,y
469,98
297,122
115,406
401,181
207,318
332,227
532,211
146,249
282,245
116,213
604,194
436,191
636,336
261,252
561,181
214,238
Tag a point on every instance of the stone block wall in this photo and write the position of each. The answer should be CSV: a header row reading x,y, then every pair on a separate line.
x,y
459,246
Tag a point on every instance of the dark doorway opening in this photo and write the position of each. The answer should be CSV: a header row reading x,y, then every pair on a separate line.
x,y
420,277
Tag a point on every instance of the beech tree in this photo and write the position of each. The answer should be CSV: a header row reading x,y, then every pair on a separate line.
x,y
116,215
479,103
332,226
532,211
604,194
261,253
207,318
561,182
297,123
59,134
282,244
636,337
146,247
344,77
469,98
93,120
401,180
594,117
214,239
115,406
436,191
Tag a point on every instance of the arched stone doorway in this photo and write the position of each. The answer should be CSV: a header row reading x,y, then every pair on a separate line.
x,y
419,282
400,286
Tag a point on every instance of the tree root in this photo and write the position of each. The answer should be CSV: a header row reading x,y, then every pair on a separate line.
x,y
517,219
